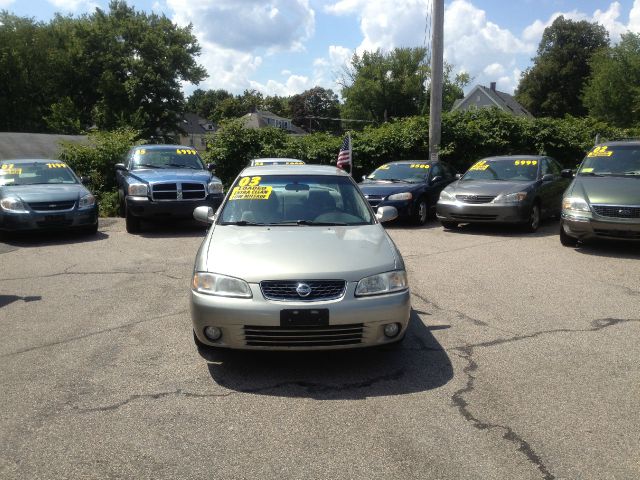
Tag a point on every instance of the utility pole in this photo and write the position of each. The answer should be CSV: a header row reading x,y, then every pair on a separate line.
x,y
437,78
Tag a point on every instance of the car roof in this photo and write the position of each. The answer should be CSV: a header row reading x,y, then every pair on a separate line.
x,y
276,159
619,143
161,146
516,156
32,160
412,161
293,170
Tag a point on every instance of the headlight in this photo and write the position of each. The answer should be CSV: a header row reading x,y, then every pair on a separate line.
x,y
87,201
138,190
12,204
215,284
382,283
215,187
516,197
400,196
446,196
573,204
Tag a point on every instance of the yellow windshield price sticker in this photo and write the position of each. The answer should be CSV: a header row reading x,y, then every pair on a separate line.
x,y
140,151
56,165
259,164
185,151
295,163
600,152
419,165
586,170
481,165
383,167
249,188
11,171
525,163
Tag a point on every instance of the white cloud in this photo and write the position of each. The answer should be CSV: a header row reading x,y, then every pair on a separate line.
x,y
5,3
293,85
73,5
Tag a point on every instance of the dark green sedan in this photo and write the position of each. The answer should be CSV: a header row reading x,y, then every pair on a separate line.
x,y
44,194
603,201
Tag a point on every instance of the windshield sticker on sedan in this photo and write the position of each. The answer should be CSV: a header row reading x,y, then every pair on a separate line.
x,y
295,163
185,151
600,152
524,163
7,169
56,165
419,165
586,170
481,165
140,151
249,189
383,167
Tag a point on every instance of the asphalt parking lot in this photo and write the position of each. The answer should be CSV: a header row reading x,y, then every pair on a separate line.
x,y
522,361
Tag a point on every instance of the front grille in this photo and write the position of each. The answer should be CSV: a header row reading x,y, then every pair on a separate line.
x,y
617,211
286,290
178,191
475,198
618,234
474,216
374,200
327,336
51,206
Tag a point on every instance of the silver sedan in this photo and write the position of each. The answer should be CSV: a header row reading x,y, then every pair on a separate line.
x,y
295,259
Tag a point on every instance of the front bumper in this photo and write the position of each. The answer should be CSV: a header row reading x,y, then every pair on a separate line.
x,y
144,207
54,220
583,228
455,211
231,315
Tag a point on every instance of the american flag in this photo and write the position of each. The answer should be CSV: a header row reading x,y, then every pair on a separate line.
x,y
344,156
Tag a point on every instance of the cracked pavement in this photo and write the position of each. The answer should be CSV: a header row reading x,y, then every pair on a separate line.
x,y
521,362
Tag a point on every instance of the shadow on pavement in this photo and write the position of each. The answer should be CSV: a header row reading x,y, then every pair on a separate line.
x,y
547,228
417,364
43,238
172,229
610,248
9,299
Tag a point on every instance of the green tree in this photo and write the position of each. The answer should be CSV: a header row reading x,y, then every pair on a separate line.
x,y
553,85
316,102
612,93
206,103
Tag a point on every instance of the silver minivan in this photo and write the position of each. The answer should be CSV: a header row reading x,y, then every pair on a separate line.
x,y
295,259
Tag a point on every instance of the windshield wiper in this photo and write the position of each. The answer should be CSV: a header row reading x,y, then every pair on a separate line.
x,y
148,165
591,174
242,223
177,165
634,172
310,222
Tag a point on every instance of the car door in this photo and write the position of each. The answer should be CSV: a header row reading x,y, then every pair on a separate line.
x,y
438,179
560,185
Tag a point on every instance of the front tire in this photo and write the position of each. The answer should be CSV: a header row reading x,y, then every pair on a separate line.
x,y
421,213
133,223
534,219
449,225
567,240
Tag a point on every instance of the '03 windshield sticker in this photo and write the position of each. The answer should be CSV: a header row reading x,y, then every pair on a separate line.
x,y
249,188
419,165
481,165
523,163
600,152
7,169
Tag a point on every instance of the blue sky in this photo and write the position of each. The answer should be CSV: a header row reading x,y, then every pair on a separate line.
x,y
284,47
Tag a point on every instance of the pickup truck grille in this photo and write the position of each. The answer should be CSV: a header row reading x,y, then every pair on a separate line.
x,y
178,191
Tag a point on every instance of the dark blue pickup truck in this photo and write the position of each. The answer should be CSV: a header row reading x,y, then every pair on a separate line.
x,y
164,181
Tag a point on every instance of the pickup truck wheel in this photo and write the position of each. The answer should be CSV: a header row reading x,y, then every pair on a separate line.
x,y
133,223
121,204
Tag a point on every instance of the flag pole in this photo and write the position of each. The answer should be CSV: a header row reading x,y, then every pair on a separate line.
x,y
350,156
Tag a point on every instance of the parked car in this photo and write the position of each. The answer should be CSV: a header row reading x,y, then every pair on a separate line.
x,y
164,181
44,194
260,162
518,189
411,186
603,201
295,259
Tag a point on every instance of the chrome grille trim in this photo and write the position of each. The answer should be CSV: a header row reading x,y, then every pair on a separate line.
x,y
177,191
475,198
59,206
617,211
303,336
285,290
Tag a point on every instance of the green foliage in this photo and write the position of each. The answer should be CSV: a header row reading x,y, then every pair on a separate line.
x,y
612,93
316,102
553,85
97,160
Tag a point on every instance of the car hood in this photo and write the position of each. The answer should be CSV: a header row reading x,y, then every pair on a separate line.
x,y
387,188
298,253
608,190
487,187
171,175
44,193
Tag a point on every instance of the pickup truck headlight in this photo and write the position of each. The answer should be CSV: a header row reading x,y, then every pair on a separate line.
x,y
400,196
516,197
221,285
87,201
388,282
215,187
138,190
447,196
13,204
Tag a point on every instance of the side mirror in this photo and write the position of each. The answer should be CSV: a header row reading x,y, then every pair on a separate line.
x,y
121,167
567,173
364,177
211,167
458,176
203,214
548,177
386,214
85,180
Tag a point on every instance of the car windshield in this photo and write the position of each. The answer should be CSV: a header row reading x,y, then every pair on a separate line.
x,y
166,158
405,172
295,200
507,169
612,160
283,161
35,173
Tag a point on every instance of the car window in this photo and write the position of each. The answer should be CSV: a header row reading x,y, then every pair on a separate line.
x,y
508,169
173,157
448,170
544,167
287,199
555,167
35,173
437,171
415,172
612,160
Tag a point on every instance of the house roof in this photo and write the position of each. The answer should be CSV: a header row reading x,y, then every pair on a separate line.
x,y
258,119
193,123
502,100
15,145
